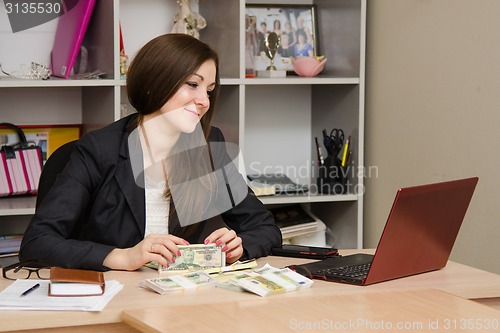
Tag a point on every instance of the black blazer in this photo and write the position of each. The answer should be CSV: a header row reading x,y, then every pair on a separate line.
x,y
95,206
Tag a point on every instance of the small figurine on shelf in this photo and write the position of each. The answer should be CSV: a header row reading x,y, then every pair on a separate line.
x,y
123,63
251,45
188,22
35,71
123,57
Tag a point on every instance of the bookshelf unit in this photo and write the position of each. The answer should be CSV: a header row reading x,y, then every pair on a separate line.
x,y
273,120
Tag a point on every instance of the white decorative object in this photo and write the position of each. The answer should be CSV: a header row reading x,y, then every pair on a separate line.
x,y
35,71
188,22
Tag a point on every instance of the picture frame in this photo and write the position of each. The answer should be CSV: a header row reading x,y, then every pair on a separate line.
x,y
47,137
296,25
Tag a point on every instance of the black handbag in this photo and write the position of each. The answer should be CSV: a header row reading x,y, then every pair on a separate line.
x,y
20,166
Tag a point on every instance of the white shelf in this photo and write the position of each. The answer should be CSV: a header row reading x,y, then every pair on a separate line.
x,y
8,82
230,81
292,199
301,80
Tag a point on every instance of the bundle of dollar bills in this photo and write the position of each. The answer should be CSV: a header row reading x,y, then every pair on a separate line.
x,y
179,283
265,281
196,257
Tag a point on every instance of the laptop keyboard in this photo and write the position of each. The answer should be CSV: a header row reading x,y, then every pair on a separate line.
x,y
353,272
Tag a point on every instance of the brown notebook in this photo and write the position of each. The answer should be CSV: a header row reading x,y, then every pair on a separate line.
x,y
75,282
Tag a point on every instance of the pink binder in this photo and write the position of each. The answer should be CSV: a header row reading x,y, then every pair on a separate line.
x,y
70,31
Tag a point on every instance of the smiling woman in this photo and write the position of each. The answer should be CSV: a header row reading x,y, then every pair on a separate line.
x,y
184,110
135,190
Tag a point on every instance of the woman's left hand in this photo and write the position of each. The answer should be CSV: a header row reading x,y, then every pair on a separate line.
x,y
231,244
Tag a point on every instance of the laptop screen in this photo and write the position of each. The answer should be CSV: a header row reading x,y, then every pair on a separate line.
x,y
421,229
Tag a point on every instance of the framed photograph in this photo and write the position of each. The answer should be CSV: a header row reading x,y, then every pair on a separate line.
x,y
47,137
296,26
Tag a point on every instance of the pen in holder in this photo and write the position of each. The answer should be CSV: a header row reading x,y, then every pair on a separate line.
x,y
332,170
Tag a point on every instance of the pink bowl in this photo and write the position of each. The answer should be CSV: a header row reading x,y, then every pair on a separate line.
x,y
308,66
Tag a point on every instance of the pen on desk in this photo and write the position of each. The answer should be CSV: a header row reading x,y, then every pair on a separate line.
x,y
318,150
35,287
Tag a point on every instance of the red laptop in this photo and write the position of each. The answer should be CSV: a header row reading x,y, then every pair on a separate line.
x,y
418,236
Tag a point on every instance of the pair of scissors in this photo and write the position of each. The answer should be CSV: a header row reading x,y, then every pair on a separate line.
x,y
337,136
334,141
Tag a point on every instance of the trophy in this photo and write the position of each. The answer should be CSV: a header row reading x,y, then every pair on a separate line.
x,y
271,44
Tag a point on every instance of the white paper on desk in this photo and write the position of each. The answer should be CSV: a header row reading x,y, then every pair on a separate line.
x,y
39,300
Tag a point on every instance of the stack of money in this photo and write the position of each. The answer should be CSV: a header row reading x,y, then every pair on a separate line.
x,y
268,280
264,281
196,257
179,283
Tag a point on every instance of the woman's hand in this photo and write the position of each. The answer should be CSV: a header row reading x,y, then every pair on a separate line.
x,y
231,244
159,248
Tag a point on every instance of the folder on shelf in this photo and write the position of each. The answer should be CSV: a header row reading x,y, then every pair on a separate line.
x,y
70,32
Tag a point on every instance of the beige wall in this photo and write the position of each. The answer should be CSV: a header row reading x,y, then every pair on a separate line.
x,y
433,111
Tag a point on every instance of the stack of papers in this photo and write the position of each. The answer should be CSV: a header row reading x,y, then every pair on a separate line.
x,y
40,300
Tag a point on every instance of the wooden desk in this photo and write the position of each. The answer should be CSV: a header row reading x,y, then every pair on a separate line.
x,y
421,310
456,279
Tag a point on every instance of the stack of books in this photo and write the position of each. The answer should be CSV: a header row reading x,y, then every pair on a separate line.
x,y
9,245
76,282
294,220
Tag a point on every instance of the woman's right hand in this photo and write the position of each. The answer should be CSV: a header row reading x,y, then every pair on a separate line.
x,y
155,247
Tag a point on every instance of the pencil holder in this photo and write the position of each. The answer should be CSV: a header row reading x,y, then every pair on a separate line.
x,y
332,177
